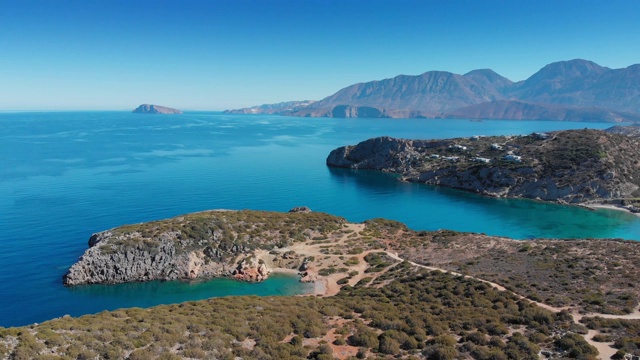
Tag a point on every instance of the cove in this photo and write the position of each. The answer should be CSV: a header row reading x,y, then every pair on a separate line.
x,y
66,175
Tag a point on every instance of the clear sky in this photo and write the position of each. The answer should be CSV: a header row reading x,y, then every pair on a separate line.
x,y
214,55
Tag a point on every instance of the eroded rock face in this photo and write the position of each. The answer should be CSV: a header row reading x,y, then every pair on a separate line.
x,y
206,244
252,270
104,265
574,166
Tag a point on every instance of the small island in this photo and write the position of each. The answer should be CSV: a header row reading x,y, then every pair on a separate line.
x,y
155,109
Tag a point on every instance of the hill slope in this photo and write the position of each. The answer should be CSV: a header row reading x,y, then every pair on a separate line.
x,y
385,309
429,94
574,166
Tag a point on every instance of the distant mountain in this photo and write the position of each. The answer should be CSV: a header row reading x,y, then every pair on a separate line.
x,y
272,108
561,82
521,110
490,80
155,109
574,90
429,94
618,89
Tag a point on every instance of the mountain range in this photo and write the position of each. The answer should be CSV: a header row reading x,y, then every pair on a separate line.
x,y
575,90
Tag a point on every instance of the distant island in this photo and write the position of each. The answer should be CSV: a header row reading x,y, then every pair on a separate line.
x,y
575,90
572,166
155,109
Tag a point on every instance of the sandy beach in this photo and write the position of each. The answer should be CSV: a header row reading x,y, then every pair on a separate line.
x,y
609,207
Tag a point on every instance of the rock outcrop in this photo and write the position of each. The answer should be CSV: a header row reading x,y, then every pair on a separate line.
x,y
573,166
252,270
199,245
104,263
300,209
155,109
631,130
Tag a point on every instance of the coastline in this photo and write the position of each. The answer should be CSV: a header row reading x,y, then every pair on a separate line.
x,y
597,206
322,286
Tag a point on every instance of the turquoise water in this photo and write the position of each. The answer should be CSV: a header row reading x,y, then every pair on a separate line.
x,y
64,176
157,292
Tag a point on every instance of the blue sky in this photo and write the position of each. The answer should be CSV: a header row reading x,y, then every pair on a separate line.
x,y
214,55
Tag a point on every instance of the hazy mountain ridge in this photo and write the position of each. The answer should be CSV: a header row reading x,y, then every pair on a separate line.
x,y
573,90
522,110
272,108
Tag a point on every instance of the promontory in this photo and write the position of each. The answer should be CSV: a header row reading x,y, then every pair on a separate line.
x,y
572,166
201,245
398,293
155,109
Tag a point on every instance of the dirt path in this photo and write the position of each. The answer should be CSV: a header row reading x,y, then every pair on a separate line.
x,y
492,284
635,315
605,350
328,286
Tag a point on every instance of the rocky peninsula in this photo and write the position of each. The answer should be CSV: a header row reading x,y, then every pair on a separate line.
x,y
397,292
572,166
240,244
155,109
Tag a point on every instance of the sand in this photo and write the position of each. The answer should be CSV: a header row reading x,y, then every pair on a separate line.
x,y
609,207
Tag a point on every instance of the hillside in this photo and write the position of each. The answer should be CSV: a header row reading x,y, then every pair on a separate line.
x,y
200,245
632,130
575,90
572,166
431,93
396,292
521,110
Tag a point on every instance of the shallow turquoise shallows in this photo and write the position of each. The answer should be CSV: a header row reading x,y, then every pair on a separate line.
x,y
64,176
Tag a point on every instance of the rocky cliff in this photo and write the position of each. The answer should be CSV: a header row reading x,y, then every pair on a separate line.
x,y
200,245
573,166
155,109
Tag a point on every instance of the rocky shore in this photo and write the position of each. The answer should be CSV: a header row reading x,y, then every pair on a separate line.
x,y
245,245
572,166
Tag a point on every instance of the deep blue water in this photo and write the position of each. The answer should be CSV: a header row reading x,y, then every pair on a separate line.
x,y
64,176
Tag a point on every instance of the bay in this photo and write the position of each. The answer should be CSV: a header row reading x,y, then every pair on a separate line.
x,y
65,175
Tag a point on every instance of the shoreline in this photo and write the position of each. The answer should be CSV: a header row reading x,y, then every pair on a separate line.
x,y
597,206
321,285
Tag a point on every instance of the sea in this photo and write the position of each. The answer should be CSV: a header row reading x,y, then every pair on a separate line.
x,y
66,175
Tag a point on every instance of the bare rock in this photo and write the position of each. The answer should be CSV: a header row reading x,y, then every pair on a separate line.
x,y
300,209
